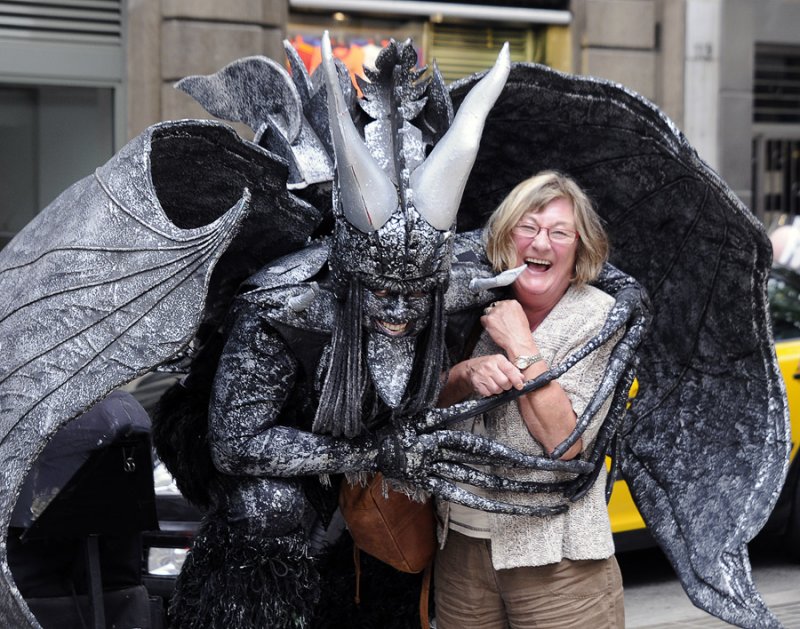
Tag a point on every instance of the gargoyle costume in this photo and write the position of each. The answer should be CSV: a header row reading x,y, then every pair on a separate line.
x,y
317,313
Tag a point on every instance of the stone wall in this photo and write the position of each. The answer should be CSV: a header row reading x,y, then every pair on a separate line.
x,y
171,39
638,43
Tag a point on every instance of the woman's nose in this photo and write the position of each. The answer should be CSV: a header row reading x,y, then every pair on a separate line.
x,y
542,239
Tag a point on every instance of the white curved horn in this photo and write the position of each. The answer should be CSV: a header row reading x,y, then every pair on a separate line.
x,y
367,195
438,183
477,284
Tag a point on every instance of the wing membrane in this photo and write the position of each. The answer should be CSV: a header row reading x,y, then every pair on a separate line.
x,y
116,276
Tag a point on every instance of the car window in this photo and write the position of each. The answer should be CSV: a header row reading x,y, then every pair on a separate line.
x,y
783,290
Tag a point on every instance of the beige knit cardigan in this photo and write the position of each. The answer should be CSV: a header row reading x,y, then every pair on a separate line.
x,y
584,531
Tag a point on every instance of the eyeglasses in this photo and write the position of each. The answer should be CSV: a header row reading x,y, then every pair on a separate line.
x,y
555,234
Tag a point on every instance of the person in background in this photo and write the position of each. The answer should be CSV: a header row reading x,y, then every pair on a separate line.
x,y
786,246
500,571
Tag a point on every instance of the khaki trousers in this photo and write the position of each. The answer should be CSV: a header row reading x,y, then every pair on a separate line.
x,y
471,594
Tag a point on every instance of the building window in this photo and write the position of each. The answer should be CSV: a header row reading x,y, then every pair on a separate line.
x,y
776,87
50,137
459,48
355,40
776,134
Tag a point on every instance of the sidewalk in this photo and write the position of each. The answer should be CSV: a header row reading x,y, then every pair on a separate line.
x,y
666,606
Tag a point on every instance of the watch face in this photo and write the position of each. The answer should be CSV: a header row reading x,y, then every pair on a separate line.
x,y
523,362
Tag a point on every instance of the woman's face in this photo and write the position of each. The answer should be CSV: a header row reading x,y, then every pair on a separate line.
x,y
549,255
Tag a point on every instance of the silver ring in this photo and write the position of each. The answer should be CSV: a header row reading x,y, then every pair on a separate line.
x,y
487,310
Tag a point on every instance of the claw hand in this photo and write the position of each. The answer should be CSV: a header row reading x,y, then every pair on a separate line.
x,y
434,462
406,456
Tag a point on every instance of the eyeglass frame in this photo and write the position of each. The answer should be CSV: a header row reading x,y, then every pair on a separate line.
x,y
575,235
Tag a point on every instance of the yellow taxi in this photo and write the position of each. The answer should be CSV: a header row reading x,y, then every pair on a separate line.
x,y
630,531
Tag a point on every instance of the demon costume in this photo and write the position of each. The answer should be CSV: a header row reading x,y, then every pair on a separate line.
x,y
137,266
329,349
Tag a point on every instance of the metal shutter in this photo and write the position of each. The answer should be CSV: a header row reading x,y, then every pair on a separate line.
x,y
81,21
776,88
461,49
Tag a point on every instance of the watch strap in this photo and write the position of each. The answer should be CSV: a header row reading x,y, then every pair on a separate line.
x,y
523,362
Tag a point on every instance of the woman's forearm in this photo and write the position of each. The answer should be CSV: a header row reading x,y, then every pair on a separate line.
x,y
549,417
457,387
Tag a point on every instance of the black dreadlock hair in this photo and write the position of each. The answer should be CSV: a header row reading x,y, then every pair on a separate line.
x,y
347,389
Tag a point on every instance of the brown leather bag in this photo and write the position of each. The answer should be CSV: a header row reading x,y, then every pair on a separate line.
x,y
395,529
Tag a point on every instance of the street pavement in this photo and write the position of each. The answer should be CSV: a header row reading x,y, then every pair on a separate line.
x,y
655,600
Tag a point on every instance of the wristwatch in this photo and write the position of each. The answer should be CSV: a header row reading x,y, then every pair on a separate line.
x,y
523,362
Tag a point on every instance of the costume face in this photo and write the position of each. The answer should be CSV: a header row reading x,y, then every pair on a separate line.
x,y
549,255
396,314
396,193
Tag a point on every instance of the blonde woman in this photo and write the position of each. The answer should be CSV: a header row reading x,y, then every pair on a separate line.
x,y
497,571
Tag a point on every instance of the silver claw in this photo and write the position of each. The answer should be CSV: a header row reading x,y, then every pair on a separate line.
x,y
477,284
301,302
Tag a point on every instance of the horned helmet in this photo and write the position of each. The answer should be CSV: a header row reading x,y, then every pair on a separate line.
x,y
396,194
401,164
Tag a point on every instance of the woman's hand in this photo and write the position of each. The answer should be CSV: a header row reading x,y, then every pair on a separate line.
x,y
506,323
493,374
484,375
547,411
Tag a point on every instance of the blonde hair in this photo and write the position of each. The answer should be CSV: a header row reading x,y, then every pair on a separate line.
x,y
534,194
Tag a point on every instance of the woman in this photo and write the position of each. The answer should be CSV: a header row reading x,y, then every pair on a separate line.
x,y
497,570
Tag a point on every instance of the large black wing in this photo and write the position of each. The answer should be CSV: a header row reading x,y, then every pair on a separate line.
x,y
705,447
117,276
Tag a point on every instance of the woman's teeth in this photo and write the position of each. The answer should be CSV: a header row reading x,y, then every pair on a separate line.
x,y
537,262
